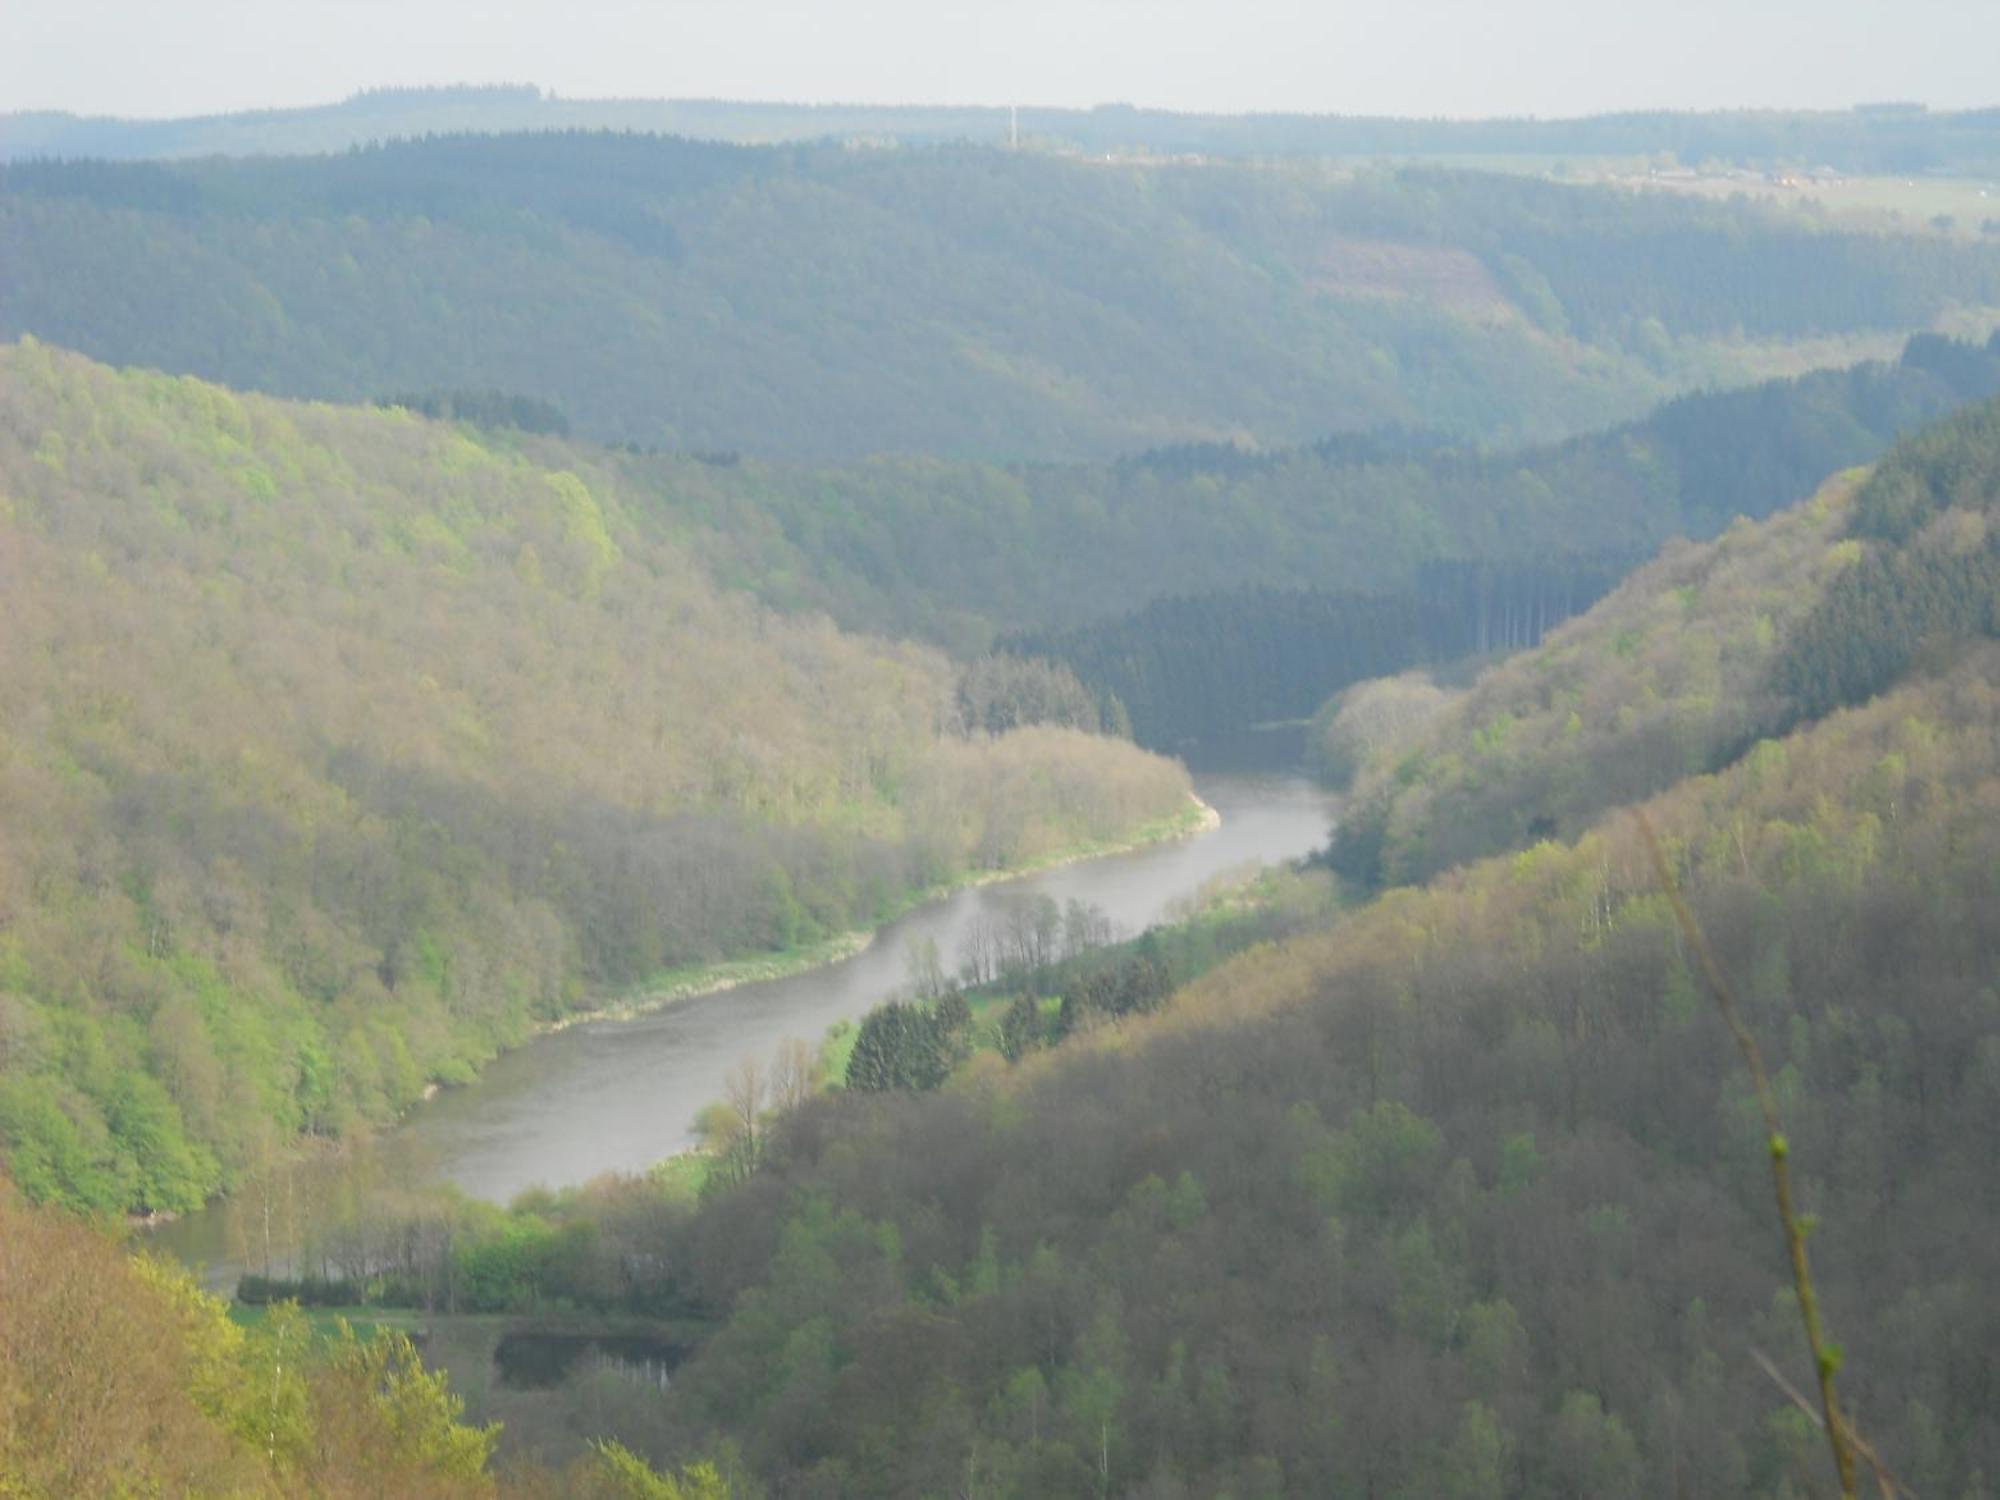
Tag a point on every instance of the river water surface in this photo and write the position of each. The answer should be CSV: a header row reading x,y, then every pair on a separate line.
x,y
619,1095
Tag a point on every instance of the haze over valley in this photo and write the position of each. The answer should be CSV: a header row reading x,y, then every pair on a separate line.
x,y
705,797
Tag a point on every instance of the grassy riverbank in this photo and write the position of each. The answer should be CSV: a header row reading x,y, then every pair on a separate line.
x,y
694,981
679,985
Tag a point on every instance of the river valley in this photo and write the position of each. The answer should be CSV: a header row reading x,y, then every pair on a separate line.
x,y
616,1095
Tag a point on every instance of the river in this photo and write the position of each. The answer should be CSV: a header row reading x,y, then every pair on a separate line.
x,y
618,1095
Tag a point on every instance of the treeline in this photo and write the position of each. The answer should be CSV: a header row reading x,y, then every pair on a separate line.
x,y
485,409
1185,667
958,553
1612,267
1898,139
340,751
1929,574
583,269
1056,978
1376,721
1006,690
1190,666
1668,677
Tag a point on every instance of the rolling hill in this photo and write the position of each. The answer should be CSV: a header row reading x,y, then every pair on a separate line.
x,y
818,301
339,750
1901,140
1465,1193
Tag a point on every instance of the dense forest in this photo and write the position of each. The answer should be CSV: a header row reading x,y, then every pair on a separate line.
x,y
1883,138
774,815
1183,668
1480,1185
1386,1206
1206,587
953,552
825,302
733,537
1928,575
1694,658
339,750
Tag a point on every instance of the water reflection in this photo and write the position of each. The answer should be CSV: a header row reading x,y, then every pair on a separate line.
x,y
621,1095
538,1360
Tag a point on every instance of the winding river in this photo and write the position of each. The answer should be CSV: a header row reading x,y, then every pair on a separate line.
x,y
618,1095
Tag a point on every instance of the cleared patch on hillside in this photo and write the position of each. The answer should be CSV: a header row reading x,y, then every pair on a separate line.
x,y
1453,281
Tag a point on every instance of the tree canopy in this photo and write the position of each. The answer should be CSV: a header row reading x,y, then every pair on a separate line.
x,y
818,301
340,749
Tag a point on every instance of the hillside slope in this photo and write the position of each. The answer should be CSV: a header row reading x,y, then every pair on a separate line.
x,y
1392,1208
1210,587
954,551
1695,657
337,750
827,302
1465,1195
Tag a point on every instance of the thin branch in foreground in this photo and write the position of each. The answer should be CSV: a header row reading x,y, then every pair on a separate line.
x,y
1840,1435
1888,1484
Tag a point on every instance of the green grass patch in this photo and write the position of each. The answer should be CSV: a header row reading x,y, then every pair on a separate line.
x,y
325,1321
836,1050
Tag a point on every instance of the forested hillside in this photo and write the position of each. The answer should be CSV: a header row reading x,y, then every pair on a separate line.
x,y
1927,529
1395,1207
952,551
1467,1194
1901,140
720,548
1666,678
338,749
829,302
1192,666
1696,657
1207,587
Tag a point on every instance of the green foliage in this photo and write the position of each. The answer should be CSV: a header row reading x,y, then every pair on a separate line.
x,y
1380,1164
1928,579
119,1377
486,409
904,1046
328,797
1461,1130
584,269
1191,666
505,1270
1670,675
1214,588
632,1478
1375,720
1022,1028
999,692
414,1408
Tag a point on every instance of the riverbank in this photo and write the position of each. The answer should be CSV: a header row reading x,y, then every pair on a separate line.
x,y
698,981
669,991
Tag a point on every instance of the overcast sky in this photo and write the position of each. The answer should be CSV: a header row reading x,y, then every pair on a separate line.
x,y
1407,57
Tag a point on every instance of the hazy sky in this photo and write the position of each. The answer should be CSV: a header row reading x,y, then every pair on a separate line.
x,y
1429,57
